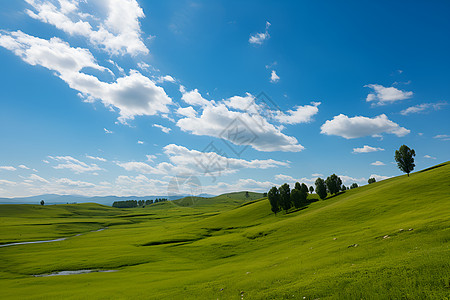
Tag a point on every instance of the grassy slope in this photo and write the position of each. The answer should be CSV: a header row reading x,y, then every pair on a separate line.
x,y
178,252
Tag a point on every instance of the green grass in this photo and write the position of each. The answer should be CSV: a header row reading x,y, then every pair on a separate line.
x,y
217,248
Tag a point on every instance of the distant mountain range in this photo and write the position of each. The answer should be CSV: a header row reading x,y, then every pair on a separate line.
x,y
63,199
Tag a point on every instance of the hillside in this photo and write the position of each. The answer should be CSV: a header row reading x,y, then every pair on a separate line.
x,y
387,240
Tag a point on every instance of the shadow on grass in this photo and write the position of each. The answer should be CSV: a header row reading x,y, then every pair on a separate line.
x,y
305,206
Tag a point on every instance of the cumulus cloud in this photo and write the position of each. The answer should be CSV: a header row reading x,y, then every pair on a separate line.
x,y
291,180
193,97
184,160
7,168
429,156
239,128
163,128
422,108
274,78
241,103
23,167
300,114
134,94
359,126
186,112
259,38
114,29
378,163
383,95
166,78
367,149
70,163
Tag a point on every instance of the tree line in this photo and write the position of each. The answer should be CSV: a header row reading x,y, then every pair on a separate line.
x,y
283,198
136,203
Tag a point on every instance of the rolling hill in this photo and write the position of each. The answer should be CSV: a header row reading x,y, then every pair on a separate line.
x,y
387,240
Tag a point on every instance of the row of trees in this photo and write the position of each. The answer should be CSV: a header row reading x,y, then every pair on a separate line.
x,y
136,203
283,198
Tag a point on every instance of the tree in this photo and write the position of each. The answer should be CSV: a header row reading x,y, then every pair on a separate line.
x,y
311,189
274,199
42,202
371,180
285,196
304,188
298,198
295,197
264,195
247,195
344,188
354,185
298,186
333,183
321,189
405,159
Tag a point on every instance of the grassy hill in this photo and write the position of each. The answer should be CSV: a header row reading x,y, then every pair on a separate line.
x,y
387,240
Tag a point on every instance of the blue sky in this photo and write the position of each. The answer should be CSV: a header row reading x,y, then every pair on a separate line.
x,y
146,97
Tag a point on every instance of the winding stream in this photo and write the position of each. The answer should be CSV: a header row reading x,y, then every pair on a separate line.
x,y
50,241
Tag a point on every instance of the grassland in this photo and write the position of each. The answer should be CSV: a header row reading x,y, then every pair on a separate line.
x,y
233,247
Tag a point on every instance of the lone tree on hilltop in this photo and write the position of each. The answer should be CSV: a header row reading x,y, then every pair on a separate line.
x,y
333,184
371,180
247,195
285,196
274,199
311,189
321,189
405,159
42,202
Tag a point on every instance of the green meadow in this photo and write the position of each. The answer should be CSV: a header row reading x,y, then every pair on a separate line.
x,y
386,240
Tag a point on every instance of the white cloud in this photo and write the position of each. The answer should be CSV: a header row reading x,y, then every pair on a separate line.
x,y
34,177
186,161
384,95
96,158
259,38
108,131
165,78
359,126
274,78
300,114
443,137
378,163
379,177
367,149
193,97
7,168
291,180
421,108
429,157
187,112
241,103
140,142
163,128
134,94
239,128
150,157
117,32
24,167
7,182
348,180
316,175
74,183
70,163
